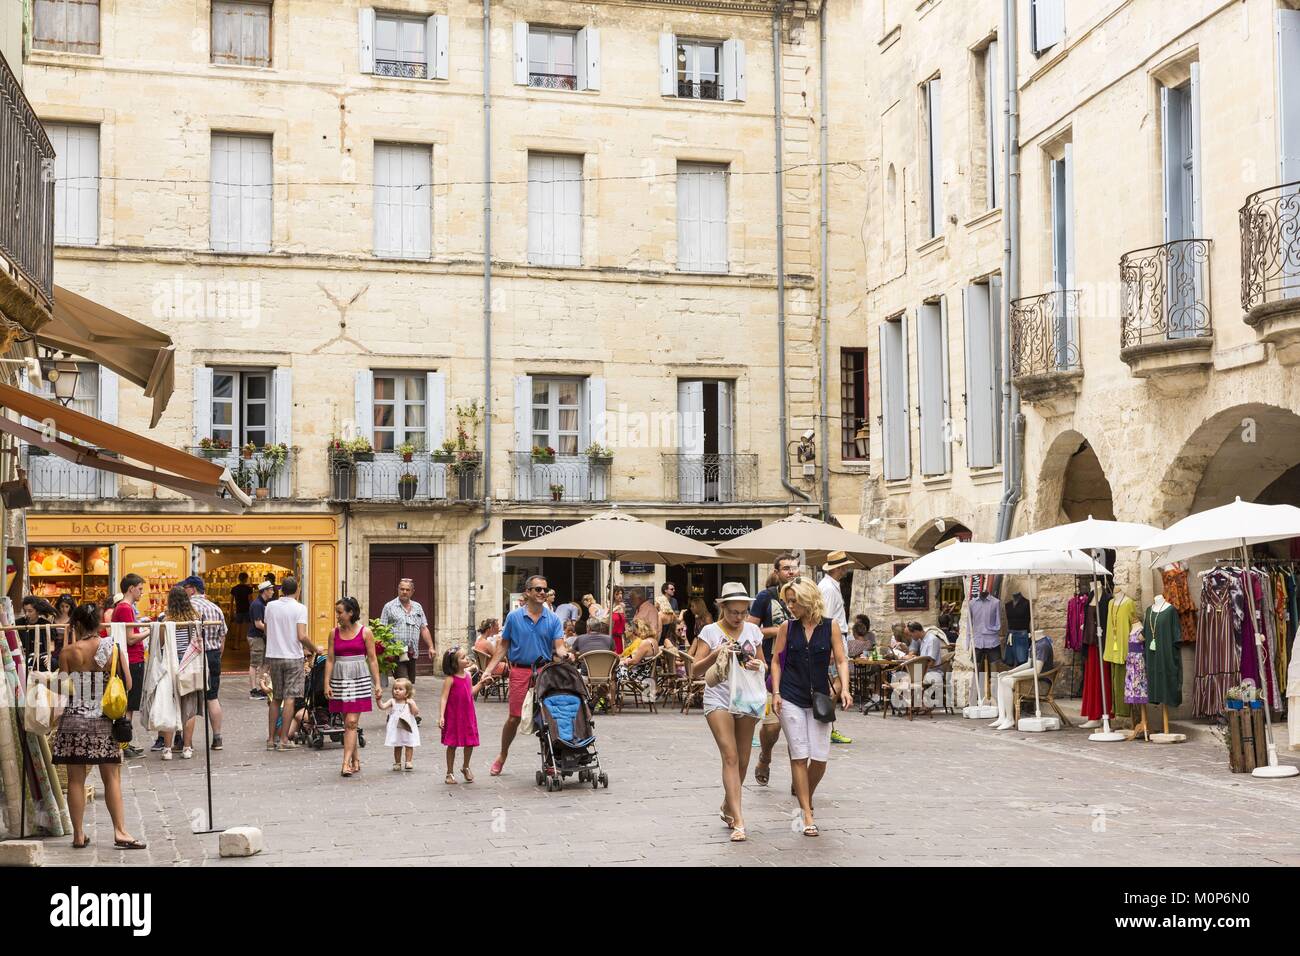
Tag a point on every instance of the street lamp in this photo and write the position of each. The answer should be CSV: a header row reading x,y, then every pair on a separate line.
x,y
62,376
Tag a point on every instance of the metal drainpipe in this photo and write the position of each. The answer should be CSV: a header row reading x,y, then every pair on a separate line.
x,y
487,319
825,275
1013,423
780,254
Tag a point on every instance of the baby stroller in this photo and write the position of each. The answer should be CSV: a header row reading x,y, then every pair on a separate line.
x,y
318,723
565,728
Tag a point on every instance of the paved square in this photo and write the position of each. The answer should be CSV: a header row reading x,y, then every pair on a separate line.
x,y
935,791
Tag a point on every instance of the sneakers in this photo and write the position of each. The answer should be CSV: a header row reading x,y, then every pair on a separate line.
x,y
216,742
256,695
839,738
133,752
159,745
187,753
166,754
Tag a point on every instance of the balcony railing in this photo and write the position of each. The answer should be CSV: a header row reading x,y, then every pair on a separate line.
x,y
1165,293
254,473
388,478
52,478
711,479
699,89
26,190
562,478
1045,334
1270,246
406,69
553,81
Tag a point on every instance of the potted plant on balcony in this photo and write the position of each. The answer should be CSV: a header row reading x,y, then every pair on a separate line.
x,y
35,451
407,450
597,452
247,450
465,468
406,486
245,477
269,466
557,492
446,451
543,455
361,449
213,447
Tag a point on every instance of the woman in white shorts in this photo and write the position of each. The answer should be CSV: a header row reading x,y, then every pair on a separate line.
x,y
801,658
732,733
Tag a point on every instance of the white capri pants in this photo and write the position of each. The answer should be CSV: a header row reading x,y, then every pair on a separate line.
x,y
806,737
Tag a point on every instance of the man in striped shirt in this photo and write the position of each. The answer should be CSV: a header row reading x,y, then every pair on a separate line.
x,y
410,626
214,641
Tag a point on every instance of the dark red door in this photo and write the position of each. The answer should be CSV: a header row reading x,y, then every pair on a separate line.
x,y
388,565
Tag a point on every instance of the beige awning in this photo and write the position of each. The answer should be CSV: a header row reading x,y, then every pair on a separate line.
x,y
158,463
138,353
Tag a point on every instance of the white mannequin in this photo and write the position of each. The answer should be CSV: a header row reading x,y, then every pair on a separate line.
x,y
1006,684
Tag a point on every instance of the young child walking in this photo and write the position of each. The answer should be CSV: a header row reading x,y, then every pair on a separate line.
x,y
456,716
403,732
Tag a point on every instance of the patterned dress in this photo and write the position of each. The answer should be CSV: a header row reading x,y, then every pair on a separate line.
x,y
1218,664
1135,672
351,682
85,735
1174,588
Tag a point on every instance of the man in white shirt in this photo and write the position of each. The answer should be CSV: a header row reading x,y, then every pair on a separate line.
x,y
838,566
286,637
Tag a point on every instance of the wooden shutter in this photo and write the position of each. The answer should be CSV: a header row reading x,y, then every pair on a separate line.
x,y
223,218
202,403
1048,24
554,210
982,385
1072,318
992,113
690,440
76,183
521,53
366,38
523,413
435,46
934,116
364,406
403,211
734,84
667,64
1171,105
435,410
586,57
282,405
1288,94
1194,104
932,387
596,410
895,397
689,252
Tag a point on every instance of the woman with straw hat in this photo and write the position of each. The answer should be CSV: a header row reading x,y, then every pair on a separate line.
x,y
730,634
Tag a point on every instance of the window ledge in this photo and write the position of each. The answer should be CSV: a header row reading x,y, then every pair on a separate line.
x,y
243,67
986,476
703,272
932,245
890,38
856,465
983,219
936,482
69,244
898,486
60,57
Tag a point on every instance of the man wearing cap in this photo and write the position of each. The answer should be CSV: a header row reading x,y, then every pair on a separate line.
x,y
214,641
257,638
838,566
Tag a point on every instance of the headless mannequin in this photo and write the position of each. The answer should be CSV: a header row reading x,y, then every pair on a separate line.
x,y
1140,724
1006,684
1158,606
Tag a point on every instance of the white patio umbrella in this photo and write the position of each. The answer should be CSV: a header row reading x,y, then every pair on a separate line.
x,y
815,539
1233,527
615,535
946,562
1093,536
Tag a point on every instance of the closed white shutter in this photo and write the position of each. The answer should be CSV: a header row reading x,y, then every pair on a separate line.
x,y
1048,23
1194,104
241,193
596,410
435,46
202,403
107,388
983,385
521,54
992,117
523,413
587,58
726,418
691,466
1072,317
667,64
282,406
241,33
1171,124
403,210
895,398
363,424
735,86
554,209
435,410
76,183
931,386
934,124
1288,94
701,218
366,38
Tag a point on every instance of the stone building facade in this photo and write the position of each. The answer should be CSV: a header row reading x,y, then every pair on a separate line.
x,y
295,193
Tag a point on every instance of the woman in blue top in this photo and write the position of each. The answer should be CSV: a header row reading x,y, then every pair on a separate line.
x,y
801,657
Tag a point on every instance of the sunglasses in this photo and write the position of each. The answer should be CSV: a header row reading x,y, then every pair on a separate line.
x,y
539,590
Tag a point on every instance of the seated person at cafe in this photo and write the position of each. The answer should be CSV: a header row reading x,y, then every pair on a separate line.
x,y
899,646
489,631
596,639
930,643
861,640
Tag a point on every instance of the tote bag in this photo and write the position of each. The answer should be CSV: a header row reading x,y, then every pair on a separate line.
x,y
113,704
190,676
748,690
44,699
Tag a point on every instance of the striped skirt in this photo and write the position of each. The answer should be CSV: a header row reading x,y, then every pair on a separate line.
x,y
352,686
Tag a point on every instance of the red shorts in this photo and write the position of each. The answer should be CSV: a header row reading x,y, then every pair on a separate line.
x,y
521,678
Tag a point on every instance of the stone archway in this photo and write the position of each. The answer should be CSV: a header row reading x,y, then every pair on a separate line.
x,y
936,531
1072,483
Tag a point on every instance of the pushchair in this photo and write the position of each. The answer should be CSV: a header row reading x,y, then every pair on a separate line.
x,y
566,731
318,723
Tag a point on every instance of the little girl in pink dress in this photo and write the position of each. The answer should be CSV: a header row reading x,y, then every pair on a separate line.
x,y
456,716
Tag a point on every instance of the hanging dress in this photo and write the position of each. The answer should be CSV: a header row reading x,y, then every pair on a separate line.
x,y
1135,669
1094,678
1217,657
1164,660
1119,621
1174,588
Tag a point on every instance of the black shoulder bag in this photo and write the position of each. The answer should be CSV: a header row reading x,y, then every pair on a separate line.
x,y
823,705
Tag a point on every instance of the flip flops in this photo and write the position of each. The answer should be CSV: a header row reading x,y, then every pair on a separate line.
x,y
763,773
497,766
130,845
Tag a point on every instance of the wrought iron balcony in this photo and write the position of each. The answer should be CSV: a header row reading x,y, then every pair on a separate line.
x,y
1165,293
699,89
1270,246
27,188
405,69
710,479
553,81
570,478
52,478
258,475
1045,334
420,481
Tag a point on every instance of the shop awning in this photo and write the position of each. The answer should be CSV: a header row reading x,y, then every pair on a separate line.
x,y
138,353
158,463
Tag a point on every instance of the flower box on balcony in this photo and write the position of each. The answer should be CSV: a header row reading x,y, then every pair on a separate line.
x,y
36,451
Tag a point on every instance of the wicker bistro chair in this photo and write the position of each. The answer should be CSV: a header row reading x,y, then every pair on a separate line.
x,y
634,688
907,681
1023,690
499,688
690,689
600,677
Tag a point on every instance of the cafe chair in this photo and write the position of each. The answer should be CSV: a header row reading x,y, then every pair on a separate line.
x,y
1023,690
600,677
907,683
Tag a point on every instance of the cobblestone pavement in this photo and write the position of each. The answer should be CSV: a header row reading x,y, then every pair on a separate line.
x,y
931,791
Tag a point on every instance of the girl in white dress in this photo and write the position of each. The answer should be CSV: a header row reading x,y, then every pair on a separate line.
x,y
403,732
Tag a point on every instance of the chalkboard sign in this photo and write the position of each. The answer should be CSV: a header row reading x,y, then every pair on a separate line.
x,y
914,596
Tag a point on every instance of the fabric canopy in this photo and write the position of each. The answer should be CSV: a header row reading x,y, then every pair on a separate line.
x,y
138,353
816,539
167,466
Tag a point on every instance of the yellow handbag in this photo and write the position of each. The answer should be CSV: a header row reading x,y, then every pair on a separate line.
x,y
113,703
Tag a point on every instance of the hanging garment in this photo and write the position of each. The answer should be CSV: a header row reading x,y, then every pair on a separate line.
x,y
1174,588
1218,658
1292,612
1256,659
46,806
1164,661
1135,669
1074,621
1120,616
1280,651
1092,685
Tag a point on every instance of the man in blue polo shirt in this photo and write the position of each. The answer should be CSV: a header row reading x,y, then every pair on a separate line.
x,y
532,635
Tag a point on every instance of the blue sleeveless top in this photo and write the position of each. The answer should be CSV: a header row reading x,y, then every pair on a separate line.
x,y
806,663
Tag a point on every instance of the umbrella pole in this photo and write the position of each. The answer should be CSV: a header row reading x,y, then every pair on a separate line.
x,y
1273,769
1033,651
1105,734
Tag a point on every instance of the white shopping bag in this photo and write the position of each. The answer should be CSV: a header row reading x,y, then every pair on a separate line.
x,y
748,692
